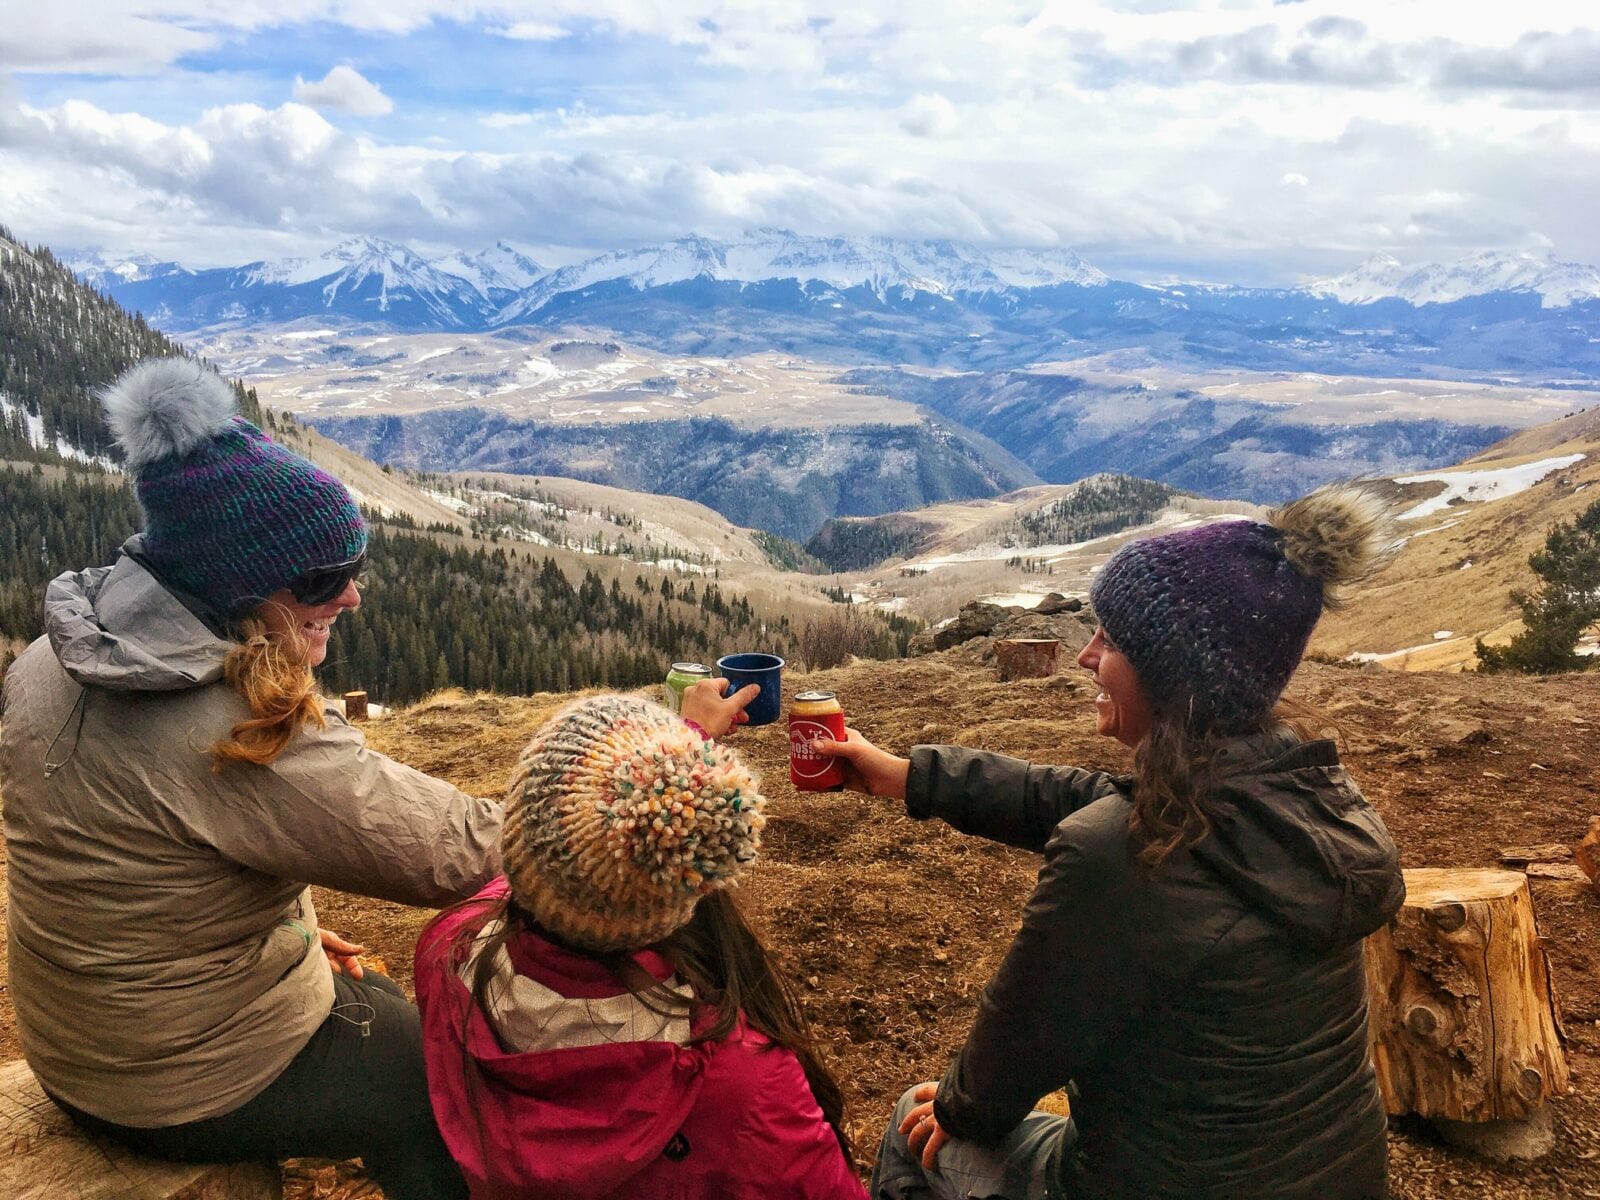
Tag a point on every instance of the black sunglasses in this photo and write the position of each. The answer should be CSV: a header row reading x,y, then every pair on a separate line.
x,y
321,584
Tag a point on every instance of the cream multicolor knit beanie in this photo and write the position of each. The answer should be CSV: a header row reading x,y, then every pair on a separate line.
x,y
620,817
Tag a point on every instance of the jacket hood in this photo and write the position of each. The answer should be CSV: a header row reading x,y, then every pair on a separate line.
x,y
579,1121
1293,837
120,627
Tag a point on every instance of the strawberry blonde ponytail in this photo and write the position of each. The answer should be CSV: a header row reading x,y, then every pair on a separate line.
x,y
281,693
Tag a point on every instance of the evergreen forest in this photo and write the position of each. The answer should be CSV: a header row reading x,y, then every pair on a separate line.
x,y
473,616
1098,506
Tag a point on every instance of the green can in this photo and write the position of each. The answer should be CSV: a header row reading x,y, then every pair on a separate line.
x,y
681,676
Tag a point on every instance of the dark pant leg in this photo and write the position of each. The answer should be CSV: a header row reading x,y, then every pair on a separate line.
x,y
357,1089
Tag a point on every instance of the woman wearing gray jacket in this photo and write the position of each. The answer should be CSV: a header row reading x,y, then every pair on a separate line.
x,y
1189,965
173,782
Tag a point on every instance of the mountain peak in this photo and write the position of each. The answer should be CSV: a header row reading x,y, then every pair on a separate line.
x,y
1382,276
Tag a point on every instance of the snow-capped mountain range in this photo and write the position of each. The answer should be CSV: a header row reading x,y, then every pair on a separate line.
x,y
935,303
880,265
1382,277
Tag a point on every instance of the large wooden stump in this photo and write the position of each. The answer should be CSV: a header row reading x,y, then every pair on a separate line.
x,y
1026,658
355,706
1465,1023
44,1156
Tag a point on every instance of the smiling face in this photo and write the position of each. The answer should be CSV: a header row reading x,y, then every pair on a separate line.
x,y
302,629
1121,710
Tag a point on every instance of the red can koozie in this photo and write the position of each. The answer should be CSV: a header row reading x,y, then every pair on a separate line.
x,y
813,715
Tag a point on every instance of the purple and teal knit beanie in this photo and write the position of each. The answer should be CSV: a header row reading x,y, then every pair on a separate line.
x,y
619,817
1215,619
230,515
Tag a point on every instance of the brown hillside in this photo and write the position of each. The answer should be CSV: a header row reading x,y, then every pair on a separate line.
x,y
893,926
1458,567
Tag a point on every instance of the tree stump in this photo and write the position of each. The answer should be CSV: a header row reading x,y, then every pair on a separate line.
x,y
1587,852
44,1156
355,706
1027,658
1465,1024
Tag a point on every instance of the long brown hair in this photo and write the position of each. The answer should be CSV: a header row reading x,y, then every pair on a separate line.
x,y
280,690
1174,769
720,956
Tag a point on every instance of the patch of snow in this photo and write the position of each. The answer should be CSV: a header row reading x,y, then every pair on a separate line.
x,y
1439,635
362,498
33,429
1365,656
1482,486
449,501
1014,599
1401,541
893,604
992,552
678,564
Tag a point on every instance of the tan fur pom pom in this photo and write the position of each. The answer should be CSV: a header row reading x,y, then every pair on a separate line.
x,y
1340,534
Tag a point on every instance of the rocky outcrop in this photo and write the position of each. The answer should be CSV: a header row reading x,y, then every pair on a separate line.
x,y
979,625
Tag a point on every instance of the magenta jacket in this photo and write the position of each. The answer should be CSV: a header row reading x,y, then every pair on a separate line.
x,y
601,1100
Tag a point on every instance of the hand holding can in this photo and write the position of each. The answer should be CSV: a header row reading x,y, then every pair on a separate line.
x,y
814,715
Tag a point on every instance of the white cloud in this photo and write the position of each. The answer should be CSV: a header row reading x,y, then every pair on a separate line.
x,y
533,31
1137,130
929,116
62,37
346,89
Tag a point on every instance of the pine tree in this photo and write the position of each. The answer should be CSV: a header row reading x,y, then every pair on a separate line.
x,y
1566,604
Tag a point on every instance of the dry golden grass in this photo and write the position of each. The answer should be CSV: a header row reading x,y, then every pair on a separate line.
x,y
1430,588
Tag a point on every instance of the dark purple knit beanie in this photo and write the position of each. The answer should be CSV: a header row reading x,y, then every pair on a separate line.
x,y
1215,619
230,515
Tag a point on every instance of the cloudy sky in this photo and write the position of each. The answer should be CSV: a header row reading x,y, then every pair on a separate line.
x,y
1245,140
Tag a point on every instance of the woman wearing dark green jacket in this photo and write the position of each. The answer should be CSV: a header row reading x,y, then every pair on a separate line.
x,y
1189,964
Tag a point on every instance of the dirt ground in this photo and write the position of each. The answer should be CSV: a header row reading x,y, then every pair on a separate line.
x,y
891,927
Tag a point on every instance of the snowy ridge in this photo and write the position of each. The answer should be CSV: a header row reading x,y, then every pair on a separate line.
x,y
350,264
881,264
1381,277
500,268
1478,486
106,271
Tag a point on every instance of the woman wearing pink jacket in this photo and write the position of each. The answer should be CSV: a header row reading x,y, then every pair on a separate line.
x,y
603,1022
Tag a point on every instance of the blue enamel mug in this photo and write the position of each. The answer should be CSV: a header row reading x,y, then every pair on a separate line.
x,y
764,670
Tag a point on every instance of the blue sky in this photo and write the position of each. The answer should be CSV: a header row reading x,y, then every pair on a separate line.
x,y
1244,140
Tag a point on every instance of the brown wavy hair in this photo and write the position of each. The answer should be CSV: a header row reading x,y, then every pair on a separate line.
x,y
1174,770
281,692
719,954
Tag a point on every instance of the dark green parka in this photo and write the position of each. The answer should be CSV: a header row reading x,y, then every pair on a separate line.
x,y
1211,1012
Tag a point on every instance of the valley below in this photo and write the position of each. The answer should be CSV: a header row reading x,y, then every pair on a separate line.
x,y
783,444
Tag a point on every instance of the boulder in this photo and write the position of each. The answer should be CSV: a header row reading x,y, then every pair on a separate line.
x,y
1055,602
977,619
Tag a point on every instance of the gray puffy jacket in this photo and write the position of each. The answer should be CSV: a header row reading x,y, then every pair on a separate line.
x,y
164,957
1211,1012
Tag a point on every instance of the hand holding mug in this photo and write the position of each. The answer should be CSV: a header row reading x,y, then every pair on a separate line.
x,y
705,705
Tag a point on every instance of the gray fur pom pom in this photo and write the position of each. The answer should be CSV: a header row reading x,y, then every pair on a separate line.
x,y
165,407
1339,534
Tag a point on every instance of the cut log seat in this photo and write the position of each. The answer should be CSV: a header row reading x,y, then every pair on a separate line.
x,y
44,1156
1465,1023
